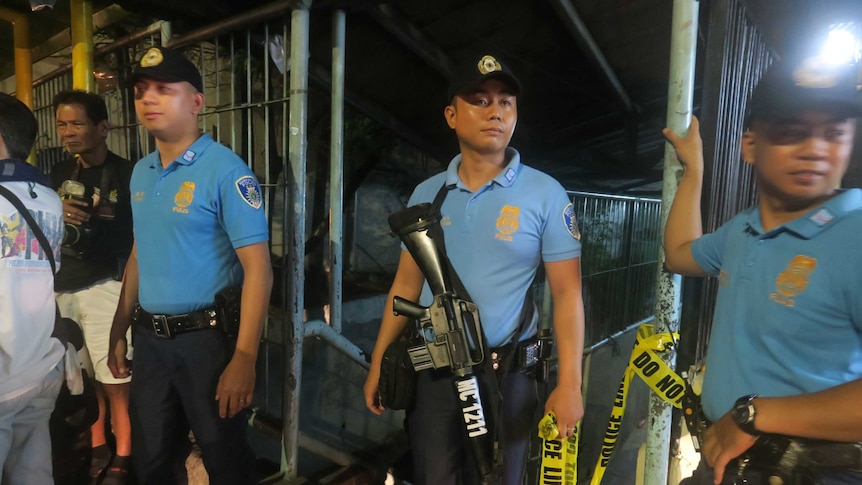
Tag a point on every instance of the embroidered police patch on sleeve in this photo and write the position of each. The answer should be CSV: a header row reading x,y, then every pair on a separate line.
x,y
571,222
249,190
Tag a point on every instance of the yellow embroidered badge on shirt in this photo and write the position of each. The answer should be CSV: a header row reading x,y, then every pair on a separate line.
x,y
793,280
184,197
508,222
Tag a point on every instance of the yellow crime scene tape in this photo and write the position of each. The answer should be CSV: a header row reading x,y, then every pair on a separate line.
x,y
646,363
560,455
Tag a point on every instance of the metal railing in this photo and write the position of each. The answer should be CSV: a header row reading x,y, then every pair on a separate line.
x,y
737,57
619,250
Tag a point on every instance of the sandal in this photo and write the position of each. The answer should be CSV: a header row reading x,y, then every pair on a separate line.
x,y
98,469
115,475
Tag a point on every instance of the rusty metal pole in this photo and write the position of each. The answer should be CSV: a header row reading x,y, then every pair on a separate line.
x,y
81,20
297,144
667,311
336,171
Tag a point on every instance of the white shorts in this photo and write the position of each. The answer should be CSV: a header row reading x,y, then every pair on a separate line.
x,y
93,308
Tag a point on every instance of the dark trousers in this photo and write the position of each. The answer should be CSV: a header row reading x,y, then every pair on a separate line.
x,y
704,476
436,429
173,390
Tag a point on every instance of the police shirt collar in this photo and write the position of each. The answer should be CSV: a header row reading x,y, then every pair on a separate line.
x,y
192,153
505,178
819,218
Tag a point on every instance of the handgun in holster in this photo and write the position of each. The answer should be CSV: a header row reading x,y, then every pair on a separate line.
x,y
692,411
227,303
544,349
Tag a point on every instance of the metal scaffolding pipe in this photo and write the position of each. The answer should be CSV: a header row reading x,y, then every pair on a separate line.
x,y
669,286
265,12
336,172
114,45
319,328
322,449
81,21
23,56
297,144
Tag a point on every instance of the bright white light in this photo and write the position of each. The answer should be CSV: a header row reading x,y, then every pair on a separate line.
x,y
842,46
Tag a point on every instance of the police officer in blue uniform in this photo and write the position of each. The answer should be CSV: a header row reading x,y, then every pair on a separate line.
x,y
501,220
199,229
782,381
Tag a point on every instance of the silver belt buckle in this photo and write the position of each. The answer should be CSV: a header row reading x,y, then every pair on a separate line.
x,y
160,326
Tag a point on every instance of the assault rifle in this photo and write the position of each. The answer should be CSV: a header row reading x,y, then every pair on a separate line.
x,y
450,327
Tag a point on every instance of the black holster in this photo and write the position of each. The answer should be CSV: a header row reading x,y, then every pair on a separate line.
x,y
228,302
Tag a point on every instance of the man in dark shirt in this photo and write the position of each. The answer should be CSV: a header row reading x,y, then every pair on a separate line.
x,y
94,186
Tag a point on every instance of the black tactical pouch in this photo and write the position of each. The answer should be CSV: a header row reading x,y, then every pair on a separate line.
x,y
397,385
227,303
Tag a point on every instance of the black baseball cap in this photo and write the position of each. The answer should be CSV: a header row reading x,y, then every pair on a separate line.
x,y
167,65
478,69
788,88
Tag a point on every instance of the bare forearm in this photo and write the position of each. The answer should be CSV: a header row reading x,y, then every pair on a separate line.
x,y
569,330
684,223
391,326
256,290
564,280
128,296
833,414
408,285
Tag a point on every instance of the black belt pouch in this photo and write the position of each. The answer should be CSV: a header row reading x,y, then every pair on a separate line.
x,y
397,385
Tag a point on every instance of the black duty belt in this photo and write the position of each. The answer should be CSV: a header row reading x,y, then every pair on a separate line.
x,y
167,326
526,355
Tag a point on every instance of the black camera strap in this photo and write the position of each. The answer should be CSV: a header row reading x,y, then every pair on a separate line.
x,y
46,248
108,174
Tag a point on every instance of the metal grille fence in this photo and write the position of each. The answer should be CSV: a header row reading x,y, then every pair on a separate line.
x,y
619,258
736,59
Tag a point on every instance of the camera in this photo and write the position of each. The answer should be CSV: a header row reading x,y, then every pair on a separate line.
x,y
77,238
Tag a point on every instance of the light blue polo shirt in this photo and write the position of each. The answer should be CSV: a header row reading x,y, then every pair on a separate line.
x,y
789,311
189,219
497,237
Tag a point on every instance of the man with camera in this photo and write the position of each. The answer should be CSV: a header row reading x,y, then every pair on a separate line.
x,y
94,186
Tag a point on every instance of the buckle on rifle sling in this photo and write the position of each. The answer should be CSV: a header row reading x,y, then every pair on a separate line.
x,y
160,326
529,355
212,315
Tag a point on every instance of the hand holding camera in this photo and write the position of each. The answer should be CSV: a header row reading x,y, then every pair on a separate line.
x,y
78,202
75,211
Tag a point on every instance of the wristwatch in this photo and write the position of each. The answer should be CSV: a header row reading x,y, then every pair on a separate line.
x,y
743,413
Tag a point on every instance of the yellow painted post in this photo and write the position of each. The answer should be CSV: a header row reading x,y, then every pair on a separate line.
x,y
23,59
81,21
23,64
